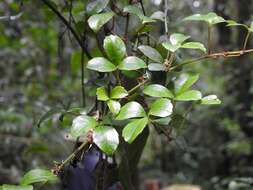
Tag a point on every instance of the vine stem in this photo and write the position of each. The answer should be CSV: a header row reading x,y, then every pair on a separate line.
x,y
82,79
224,54
137,86
246,40
165,19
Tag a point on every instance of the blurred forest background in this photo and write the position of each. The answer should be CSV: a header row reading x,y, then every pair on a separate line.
x,y
40,70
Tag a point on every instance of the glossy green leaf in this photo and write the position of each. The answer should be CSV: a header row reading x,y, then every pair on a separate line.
x,y
38,175
106,138
175,42
97,21
161,108
162,121
156,67
102,94
185,81
114,106
115,48
133,10
158,15
138,12
194,45
133,129
210,18
118,92
82,124
131,110
210,100
233,23
101,64
17,187
151,53
132,63
96,6
157,90
191,95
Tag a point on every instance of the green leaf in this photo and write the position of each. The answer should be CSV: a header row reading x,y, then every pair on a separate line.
x,y
151,53
17,187
102,94
233,23
114,106
156,67
190,95
49,114
158,15
162,121
194,45
184,82
175,42
132,63
157,90
38,175
101,64
115,48
178,38
96,6
82,124
138,12
97,21
133,129
210,100
106,138
133,10
161,108
210,18
131,110
118,92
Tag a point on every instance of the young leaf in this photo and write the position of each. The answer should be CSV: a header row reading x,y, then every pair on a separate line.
x,y
185,81
16,187
132,63
118,92
131,110
106,138
156,67
115,48
82,124
38,175
161,108
251,27
97,21
151,53
114,106
190,95
210,100
102,94
101,64
157,90
194,45
133,129
210,18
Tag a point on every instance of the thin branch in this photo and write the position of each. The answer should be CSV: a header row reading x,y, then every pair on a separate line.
x,y
76,36
224,54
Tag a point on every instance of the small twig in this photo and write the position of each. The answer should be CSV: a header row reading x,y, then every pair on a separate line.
x,y
136,87
225,54
209,38
61,17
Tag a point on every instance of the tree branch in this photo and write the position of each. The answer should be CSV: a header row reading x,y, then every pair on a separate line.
x,y
74,33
